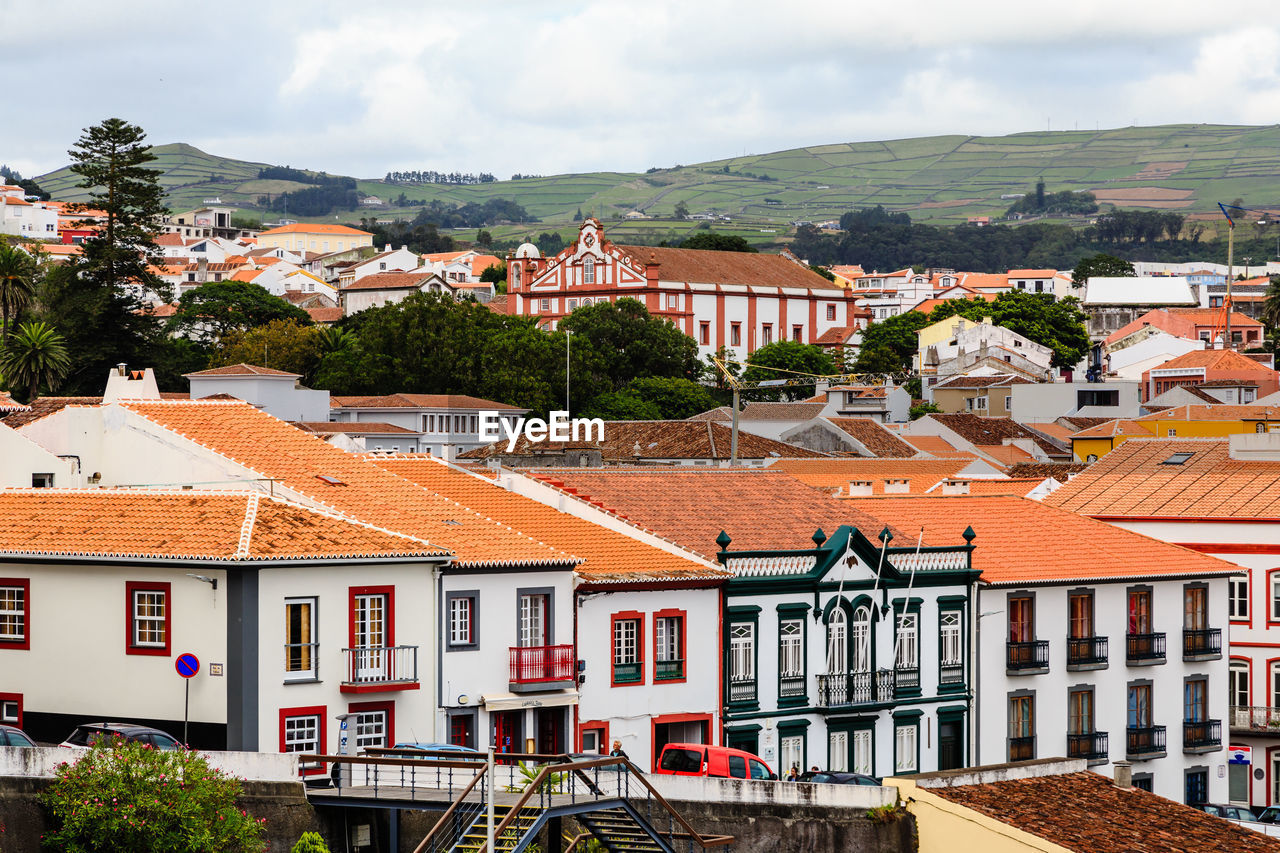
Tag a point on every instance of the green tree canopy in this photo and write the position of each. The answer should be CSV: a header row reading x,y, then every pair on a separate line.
x,y
897,334
1058,325
1100,266
33,356
681,210
17,284
209,312
718,242
653,399
787,360
279,345
628,342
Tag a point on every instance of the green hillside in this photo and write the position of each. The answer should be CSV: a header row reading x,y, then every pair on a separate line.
x,y
943,179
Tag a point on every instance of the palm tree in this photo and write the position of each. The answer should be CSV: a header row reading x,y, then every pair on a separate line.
x,y
17,277
1271,307
34,355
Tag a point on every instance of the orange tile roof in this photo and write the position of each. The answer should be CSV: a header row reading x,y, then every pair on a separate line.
x,y
1084,812
1020,486
1218,412
1110,429
1025,541
42,407
759,509
1032,273
242,369
984,431
936,446
324,315
223,525
314,228
833,475
352,428
246,275
1005,454
358,489
1053,429
1134,481
1181,322
9,405
711,267
985,280
391,281
607,555
480,263
1216,359
872,435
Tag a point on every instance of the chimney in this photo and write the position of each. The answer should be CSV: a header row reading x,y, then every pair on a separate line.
x,y
1124,774
955,487
388,248
1256,446
860,489
897,487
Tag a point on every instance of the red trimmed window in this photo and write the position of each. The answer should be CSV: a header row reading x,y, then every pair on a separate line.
x,y
831,312
1237,599
11,709
303,730
704,334
593,737
371,724
628,648
148,618
15,613
373,623
669,646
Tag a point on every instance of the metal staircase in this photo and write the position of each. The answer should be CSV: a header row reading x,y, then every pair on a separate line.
x,y
621,832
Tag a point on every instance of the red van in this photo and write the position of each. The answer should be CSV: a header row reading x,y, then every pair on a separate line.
x,y
698,759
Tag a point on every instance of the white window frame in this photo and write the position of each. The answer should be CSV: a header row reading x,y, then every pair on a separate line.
x,y
837,643
950,638
864,749
666,637
742,652
588,270
370,619
10,710
626,641
302,734
860,631
149,624
1238,683
534,610
308,652
462,623
838,751
791,648
907,641
906,737
790,754
370,728
13,612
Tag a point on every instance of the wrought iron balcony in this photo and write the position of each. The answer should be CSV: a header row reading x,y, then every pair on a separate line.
x,y
1022,748
906,679
1143,649
627,673
1255,718
1090,745
855,688
542,667
742,690
370,670
791,686
1087,651
1202,735
1145,741
668,670
1203,644
951,673
1029,657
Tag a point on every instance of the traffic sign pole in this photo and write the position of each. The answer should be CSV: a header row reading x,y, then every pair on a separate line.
x,y
186,711
187,666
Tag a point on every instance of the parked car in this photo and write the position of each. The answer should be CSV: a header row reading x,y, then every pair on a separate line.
x,y
86,734
697,759
1228,811
14,736
1269,814
464,751
838,778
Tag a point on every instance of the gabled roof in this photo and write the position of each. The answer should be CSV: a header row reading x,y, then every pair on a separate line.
x,y
314,228
836,336
630,440
607,555
1215,412
1059,471
937,447
348,484
1111,429
417,401
704,266
223,525
1140,479
991,431
1181,322
764,411
1000,380
872,435
834,475
391,281
352,428
1084,812
1024,541
8,405
243,369
758,509
1215,359
1032,273
42,407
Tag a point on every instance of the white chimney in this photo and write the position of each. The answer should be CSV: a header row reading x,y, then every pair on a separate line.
x,y
955,487
1123,774
860,489
125,384
897,487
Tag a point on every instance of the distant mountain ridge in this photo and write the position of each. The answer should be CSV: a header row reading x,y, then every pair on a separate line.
x,y
1187,168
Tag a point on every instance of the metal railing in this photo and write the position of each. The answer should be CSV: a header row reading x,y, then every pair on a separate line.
x,y
1091,745
539,664
381,665
627,673
1083,651
857,688
1144,740
791,686
1255,718
951,673
742,690
1201,643
1027,656
1201,734
301,661
906,678
668,670
1144,647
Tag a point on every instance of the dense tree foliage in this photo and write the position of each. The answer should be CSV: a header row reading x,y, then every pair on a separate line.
x,y
321,200
209,312
1056,324
287,173
717,242
1100,265
281,344
418,176
787,360
888,345
1064,202
29,186
653,399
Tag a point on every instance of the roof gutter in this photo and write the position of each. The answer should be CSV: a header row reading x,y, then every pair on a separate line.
x,y
211,562
1116,579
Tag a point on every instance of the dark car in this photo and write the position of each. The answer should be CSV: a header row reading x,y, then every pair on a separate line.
x,y
14,736
86,734
1269,815
463,752
1228,811
838,778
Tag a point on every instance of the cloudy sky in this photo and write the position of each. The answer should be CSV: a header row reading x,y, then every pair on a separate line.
x,y
549,87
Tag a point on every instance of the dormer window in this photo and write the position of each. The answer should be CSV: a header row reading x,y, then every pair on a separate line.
x,y
589,271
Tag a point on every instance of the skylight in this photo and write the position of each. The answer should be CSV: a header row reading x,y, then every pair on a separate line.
x,y
329,480
1177,459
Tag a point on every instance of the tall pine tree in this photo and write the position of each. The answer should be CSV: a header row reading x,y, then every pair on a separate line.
x,y
102,304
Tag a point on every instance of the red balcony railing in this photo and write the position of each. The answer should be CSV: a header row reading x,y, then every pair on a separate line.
x,y
537,664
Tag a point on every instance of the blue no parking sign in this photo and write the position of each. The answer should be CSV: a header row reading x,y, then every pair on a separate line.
x,y
187,665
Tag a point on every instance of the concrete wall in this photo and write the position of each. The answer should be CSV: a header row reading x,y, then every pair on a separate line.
x,y
43,762
705,789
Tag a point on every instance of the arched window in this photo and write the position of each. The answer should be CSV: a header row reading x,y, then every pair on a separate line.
x,y
861,640
837,643
589,271
515,274
586,300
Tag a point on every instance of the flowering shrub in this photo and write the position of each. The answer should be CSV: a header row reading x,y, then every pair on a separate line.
x,y
123,795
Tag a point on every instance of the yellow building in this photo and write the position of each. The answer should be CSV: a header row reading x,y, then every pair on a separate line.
x,y
943,331
312,237
1191,421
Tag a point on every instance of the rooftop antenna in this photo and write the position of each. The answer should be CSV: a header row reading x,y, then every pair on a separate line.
x,y
885,536
897,635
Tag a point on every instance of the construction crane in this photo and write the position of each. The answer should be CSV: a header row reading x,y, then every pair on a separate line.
x,y
792,379
1223,321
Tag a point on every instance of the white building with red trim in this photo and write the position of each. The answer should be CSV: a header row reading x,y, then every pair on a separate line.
x,y
738,300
